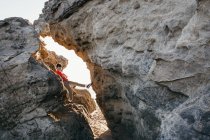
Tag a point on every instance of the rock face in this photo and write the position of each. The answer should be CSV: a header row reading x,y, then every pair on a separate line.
x,y
81,97
149,62
31,105
49,58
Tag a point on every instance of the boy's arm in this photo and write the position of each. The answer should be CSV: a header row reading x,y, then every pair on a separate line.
x,y
64,75
76,84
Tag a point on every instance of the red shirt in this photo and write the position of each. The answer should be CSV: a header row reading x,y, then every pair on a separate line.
x,y
62,75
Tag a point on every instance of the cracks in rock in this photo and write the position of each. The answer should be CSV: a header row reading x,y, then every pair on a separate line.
x,y
157,97
33,109
31,122
13,56
202,133
4,23
6,76
77,108
71,9
8,68
176,92
144,101
33,118
179,79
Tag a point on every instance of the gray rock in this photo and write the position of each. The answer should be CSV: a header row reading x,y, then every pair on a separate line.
x,y
31,103
136,5
149,66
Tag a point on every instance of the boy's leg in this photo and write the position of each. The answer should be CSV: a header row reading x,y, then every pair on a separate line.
x,y
67,86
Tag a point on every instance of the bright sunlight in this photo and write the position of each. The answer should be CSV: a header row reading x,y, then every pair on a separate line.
x,y
76,69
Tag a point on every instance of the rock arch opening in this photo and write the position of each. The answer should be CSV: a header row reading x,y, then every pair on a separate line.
x,y
76,70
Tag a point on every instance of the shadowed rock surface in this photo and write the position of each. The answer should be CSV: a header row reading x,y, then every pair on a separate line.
x,y
82,97
149,62
31,103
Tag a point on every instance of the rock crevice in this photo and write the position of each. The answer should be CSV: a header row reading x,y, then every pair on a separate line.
x,y
149,62
30,95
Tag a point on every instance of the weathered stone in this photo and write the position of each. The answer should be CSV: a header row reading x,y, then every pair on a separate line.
x,y
31,103
136,5
83,97
49,58
149,66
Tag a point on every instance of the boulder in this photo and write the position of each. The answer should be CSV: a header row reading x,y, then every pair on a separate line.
x,y
149,62
31,103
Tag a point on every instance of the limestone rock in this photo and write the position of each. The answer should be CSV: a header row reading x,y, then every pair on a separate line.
x,y
83,97
49,58
149,64
31,105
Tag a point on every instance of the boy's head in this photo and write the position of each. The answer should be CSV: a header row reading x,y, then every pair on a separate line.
x,y
59,66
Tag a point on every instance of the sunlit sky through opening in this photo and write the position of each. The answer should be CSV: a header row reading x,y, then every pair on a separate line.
x,y
76,70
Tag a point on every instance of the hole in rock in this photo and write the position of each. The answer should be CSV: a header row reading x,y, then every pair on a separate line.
x,y
76,71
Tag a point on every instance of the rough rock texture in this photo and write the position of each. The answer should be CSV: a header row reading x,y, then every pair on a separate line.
x,y
49,58
149,62
31,105
83,97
